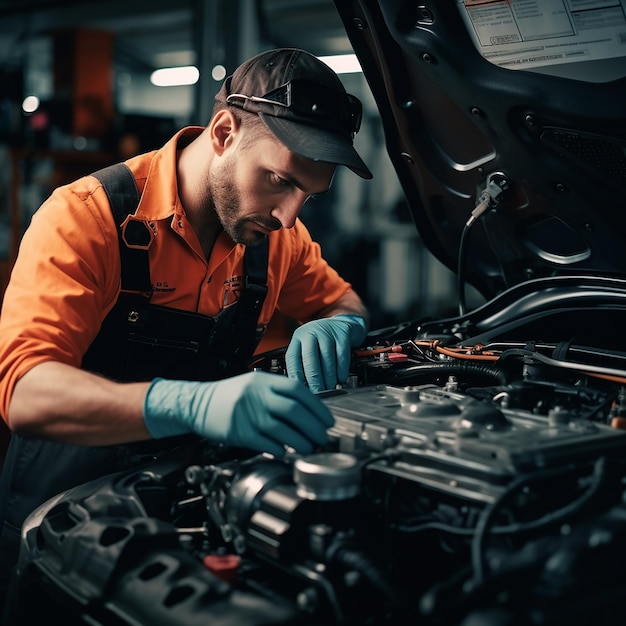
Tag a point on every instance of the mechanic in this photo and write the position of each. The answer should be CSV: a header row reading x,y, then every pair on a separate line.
x,y
122,337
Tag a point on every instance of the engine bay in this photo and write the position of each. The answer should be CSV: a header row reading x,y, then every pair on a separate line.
x,y
463,483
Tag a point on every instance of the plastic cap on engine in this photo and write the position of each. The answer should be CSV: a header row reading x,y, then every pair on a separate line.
x,y
327,476
224,566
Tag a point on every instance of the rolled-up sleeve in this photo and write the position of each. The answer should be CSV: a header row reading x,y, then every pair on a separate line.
x,y
65,279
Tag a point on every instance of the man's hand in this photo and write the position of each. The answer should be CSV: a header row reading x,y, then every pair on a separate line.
x,y
319,351
257,410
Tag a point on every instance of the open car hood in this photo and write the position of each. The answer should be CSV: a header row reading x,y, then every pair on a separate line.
x,y
473,93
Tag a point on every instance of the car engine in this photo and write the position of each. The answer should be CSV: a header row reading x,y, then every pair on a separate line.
x,y
463,483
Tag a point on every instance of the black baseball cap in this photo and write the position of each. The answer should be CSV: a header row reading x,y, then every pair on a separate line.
x,y
303,102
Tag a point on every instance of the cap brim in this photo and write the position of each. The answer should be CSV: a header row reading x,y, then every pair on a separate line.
x,y
316,144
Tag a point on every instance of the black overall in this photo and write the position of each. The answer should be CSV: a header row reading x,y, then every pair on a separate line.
x,y
137,342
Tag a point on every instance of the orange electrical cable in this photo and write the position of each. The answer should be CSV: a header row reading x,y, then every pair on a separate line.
x,y
614,379
467,356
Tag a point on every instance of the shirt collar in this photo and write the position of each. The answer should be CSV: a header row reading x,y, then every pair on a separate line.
x,y
159,197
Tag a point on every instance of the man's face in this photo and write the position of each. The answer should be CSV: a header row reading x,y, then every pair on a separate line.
x,y
262,186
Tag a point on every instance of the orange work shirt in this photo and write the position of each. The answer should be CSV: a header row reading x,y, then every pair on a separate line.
x,y
67,278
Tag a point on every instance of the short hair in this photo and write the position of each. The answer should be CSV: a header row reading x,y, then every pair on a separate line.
x,y
253,125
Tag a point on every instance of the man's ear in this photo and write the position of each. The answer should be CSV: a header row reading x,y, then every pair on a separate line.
x,y
223,128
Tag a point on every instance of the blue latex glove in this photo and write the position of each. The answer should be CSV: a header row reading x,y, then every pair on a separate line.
x,y
257,410
319,351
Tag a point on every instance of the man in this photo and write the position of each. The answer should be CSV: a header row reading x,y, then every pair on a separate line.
x,y
112,326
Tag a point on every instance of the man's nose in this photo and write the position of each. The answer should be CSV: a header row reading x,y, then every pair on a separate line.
x,y
288,209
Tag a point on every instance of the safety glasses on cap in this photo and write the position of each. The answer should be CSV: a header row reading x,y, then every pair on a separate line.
x,y
312,101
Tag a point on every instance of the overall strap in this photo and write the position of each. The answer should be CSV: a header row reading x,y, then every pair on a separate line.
x,y
119,184
236,332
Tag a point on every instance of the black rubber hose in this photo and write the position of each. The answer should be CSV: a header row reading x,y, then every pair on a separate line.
x,y
469,373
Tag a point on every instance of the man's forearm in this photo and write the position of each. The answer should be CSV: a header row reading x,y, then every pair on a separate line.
x,y
349,303
60,402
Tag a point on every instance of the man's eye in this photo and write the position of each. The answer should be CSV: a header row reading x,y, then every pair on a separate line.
x,y
278,181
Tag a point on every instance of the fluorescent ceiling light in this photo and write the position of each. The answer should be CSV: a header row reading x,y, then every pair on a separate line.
x,y
189,74
342,63
174,76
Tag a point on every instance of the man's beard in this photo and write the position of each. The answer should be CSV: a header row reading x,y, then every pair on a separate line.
x,y
227,205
